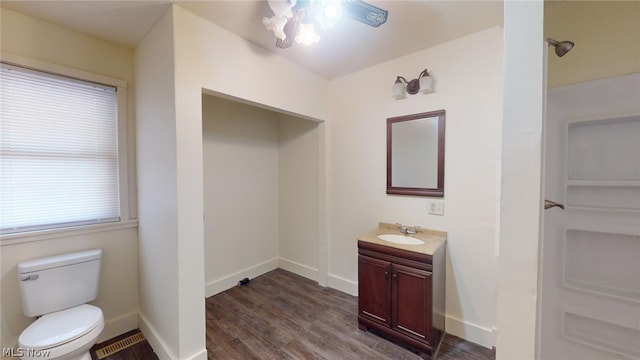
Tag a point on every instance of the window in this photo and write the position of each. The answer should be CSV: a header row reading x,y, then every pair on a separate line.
x,y
58,151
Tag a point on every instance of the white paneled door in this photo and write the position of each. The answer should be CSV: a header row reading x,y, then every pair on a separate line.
x,y
590,264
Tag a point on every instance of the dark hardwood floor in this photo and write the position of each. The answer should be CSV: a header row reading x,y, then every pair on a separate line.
x,y
280,315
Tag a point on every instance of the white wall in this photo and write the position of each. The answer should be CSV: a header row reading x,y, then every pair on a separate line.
x,y
468,75
209,57
240,147
299,189
157,196
40,41
521,172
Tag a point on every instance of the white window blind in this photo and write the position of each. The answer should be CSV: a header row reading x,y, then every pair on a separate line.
x,y
58,152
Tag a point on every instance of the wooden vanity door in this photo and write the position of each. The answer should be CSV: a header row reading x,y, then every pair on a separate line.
x,y
374,288
411,292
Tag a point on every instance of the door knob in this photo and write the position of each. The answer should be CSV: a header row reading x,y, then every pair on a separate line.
x,y
548,204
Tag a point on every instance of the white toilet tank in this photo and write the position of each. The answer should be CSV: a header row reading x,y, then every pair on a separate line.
x,y
59,282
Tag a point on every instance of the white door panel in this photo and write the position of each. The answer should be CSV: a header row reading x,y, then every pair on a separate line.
x,y
590,263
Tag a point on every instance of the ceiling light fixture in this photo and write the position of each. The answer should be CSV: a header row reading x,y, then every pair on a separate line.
x,y
423,84
297,19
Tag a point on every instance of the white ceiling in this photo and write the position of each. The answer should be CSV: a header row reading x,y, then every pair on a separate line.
x,y
348,46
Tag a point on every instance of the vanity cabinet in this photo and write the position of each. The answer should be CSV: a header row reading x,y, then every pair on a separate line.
x,y
374,279
401,294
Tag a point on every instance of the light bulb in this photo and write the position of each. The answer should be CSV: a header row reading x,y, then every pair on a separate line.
x,y
330,13
307,35
331,10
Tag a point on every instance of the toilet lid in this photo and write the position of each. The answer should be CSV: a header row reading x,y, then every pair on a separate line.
x,y
60,327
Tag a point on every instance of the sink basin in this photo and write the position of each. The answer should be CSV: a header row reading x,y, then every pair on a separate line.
x,y
400,239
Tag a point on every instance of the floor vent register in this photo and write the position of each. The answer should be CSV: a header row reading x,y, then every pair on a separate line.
x,y
119,345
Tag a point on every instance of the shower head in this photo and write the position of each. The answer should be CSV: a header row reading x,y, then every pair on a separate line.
x,y
562,47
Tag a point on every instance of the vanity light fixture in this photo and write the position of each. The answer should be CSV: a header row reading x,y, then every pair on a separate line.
x,y
423,84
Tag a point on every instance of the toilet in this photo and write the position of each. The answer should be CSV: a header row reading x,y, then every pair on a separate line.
x,y
58,288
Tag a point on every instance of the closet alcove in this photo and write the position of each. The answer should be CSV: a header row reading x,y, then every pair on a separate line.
x,y
261,192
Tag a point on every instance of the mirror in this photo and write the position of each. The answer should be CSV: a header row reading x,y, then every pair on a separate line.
x,y
415,154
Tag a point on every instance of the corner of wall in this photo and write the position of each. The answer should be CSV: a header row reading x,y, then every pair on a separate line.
x,y
159,346
471,332
227,282
298,268
118,325
339,283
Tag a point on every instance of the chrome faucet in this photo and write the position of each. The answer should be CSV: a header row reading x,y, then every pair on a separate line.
x,y
408,230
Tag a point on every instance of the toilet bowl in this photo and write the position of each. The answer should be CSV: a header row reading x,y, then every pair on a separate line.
x,y
57,289
63,335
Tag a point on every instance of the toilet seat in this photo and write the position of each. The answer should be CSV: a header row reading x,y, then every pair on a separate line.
x,y
61,327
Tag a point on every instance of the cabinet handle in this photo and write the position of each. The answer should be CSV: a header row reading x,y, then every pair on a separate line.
x,y
386,273
395,275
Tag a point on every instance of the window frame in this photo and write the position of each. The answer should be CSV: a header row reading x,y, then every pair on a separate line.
x,y
127,204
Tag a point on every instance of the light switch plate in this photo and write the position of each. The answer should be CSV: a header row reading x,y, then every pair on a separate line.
x,y
436,207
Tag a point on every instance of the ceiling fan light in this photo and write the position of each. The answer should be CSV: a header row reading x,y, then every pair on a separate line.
x,y
307,35
331,11
276,25
282,8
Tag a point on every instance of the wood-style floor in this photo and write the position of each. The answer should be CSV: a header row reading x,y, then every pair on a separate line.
x,y
280,315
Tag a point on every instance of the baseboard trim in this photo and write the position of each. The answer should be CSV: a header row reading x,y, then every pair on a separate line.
x,y
159,346
299,269
200,355
344,285
118,326
229,281
471,332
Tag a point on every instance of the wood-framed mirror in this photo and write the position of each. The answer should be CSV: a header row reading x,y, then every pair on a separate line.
x,y
415,154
